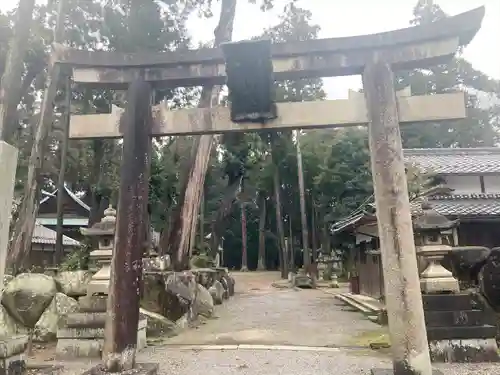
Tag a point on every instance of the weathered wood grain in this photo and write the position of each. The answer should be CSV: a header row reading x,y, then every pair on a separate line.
x,y
318,114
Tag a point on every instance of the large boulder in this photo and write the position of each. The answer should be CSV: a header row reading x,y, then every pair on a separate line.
x,y
466,262
203,303
217,292
169,293
74,283
153,292
59,308
8,326
27,296
225,285
7,279
181,288
156,264
182,284
229,283
489,279
205,276
158,325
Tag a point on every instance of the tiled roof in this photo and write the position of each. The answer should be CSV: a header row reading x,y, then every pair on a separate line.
x,y
463,205
455,160
70,193
46,236
339,226
453,205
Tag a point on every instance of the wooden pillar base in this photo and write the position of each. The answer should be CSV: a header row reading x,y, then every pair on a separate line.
x,y
387,371
139,369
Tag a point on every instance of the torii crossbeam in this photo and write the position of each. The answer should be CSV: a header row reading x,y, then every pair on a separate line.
x,y
375,57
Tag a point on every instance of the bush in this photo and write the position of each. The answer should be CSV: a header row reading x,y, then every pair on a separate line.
x,y
201,261
76,260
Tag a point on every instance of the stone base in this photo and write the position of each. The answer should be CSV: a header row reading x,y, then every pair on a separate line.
x,y
303,281
89,342
45,369
464,351
439,285
334,284
139,369
12,358
386,371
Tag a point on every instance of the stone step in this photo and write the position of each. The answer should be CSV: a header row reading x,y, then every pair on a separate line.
x,y
461,333
449,302
88,320
354,303
93,304
468,318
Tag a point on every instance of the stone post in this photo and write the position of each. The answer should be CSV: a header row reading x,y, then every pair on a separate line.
x,y
8,157
11,348
403,298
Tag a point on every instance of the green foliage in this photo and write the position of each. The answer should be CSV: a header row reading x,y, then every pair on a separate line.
x,y
201,261
241,166
78,259
480,127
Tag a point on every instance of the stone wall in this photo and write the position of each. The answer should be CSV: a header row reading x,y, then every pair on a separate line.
x,y
170,300
34,301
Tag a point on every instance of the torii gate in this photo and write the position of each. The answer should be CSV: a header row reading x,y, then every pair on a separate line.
x,y
374,56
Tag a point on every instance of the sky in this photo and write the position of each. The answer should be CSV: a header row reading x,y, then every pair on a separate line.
x,y
338,18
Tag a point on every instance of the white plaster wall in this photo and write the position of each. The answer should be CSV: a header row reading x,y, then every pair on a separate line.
x,y
464,184
492,184
362,238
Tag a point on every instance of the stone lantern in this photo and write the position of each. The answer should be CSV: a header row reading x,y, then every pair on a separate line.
x,y
336,267
81,334
430,229
104,232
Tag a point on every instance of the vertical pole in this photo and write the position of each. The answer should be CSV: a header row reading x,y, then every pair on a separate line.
x,y
302,198
291,257
126,269
244,256
62,171
403,297
202,221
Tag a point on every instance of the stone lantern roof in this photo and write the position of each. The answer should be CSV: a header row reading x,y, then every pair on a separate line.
x,y
430,219
106,227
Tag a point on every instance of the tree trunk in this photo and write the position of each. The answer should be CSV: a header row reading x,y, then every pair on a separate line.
x,y
314,237
63,148
279,223
325,243
244,255
303,214
223,211
23,229
261,264
169,239
291,255
95,196
202,222
11,85
187,218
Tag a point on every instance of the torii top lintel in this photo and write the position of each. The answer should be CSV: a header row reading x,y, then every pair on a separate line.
x,y
408,48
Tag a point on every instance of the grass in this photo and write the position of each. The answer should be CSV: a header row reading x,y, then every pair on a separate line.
x,y
378,337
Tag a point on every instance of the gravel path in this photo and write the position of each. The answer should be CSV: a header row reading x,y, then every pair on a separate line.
x,y
280,317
